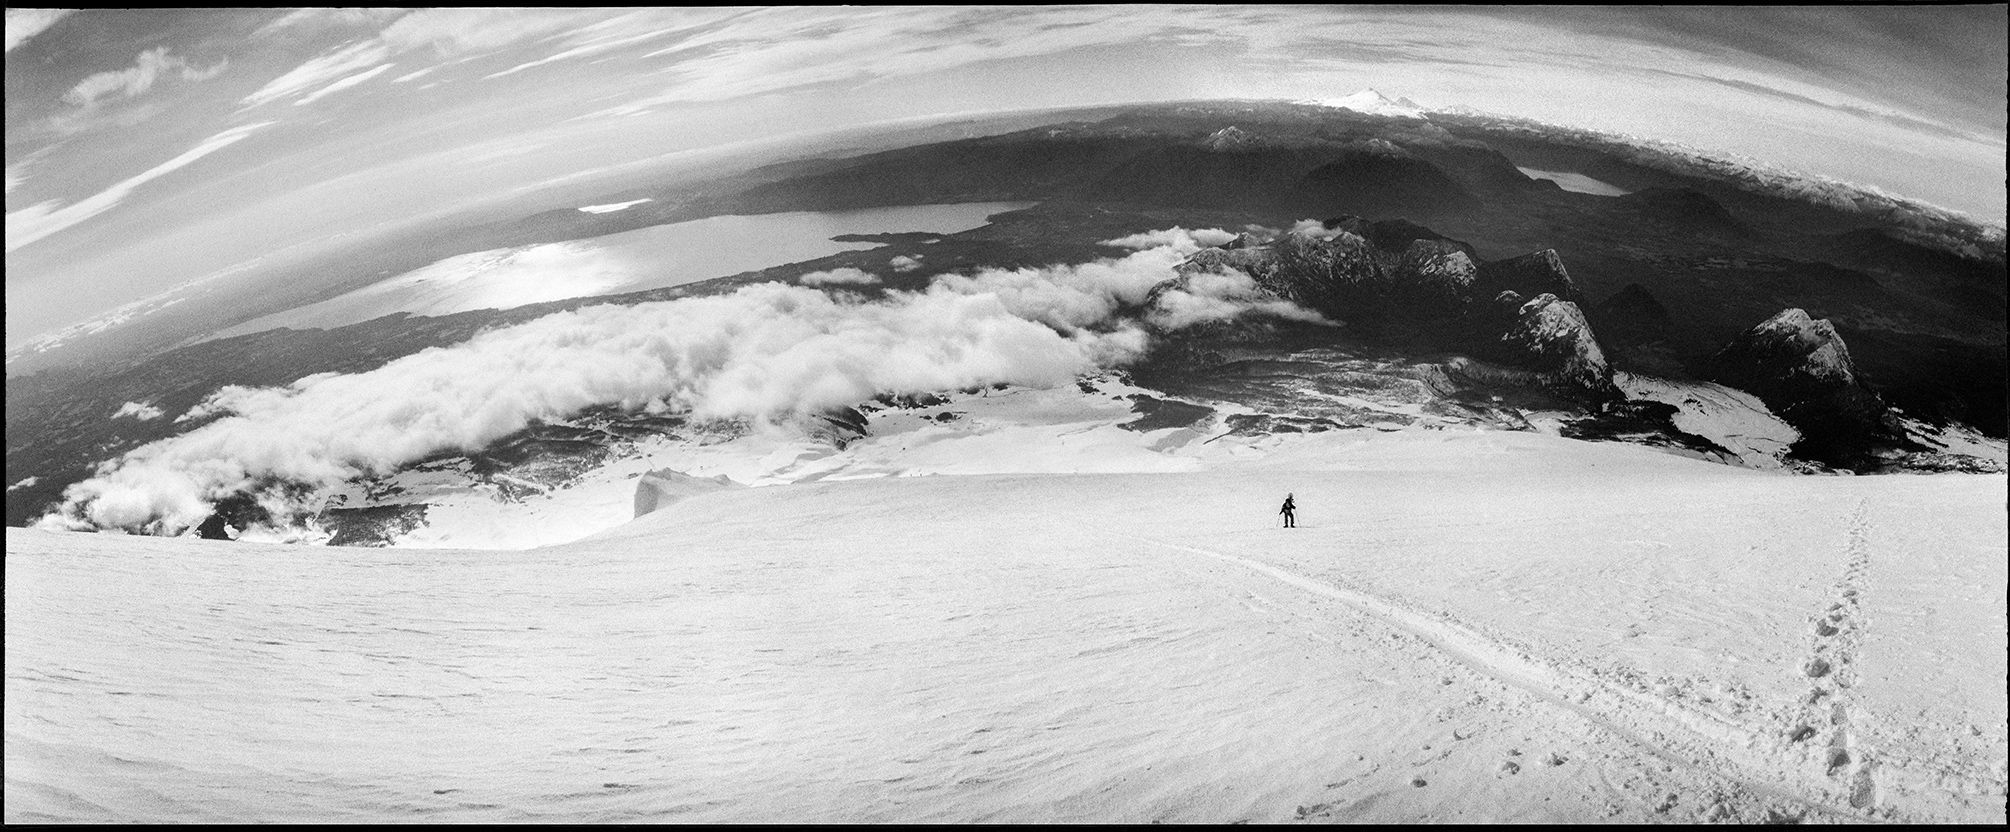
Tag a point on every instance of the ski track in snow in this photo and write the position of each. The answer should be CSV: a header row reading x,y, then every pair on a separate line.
x,y
1739,755
1095,647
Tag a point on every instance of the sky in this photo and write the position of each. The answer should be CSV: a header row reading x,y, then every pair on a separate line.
x,y
147,148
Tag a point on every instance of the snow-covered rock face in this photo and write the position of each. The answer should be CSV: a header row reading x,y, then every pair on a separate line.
x,y
1791,342
1790,346
1441,269
1231,138
1553,337
1395,272
1801,368
1353,269
1395,262
1326,270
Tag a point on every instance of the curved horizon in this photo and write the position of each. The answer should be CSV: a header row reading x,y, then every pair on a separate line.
x,y
146,149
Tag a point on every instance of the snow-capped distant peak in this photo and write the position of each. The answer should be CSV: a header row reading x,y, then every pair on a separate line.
x,y
1373,103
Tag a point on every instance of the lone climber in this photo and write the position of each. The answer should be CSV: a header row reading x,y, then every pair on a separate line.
x,y
1289,511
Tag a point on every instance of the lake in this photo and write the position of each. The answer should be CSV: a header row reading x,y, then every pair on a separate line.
x,y
646,258
1575,182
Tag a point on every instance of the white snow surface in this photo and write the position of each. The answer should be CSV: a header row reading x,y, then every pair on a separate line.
x,y
1466,626
1734,419
1015,430
1955,439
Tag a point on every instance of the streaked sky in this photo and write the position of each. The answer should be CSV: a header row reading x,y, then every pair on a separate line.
x,y
147,148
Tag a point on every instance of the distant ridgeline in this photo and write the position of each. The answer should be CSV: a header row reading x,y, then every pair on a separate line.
x,y
1875,326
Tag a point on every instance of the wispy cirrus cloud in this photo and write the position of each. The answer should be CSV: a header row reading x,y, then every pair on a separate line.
x,y
314,19
17,172
628,89
592,48
431,34
774,50
453,33
343,84
45,218
147,69
327,68
1898,119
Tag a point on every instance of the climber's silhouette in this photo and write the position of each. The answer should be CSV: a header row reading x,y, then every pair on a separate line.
x,y
1290,521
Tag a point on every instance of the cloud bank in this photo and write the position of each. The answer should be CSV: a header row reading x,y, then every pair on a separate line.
x,y
142,411
763,352
836,277
1176,237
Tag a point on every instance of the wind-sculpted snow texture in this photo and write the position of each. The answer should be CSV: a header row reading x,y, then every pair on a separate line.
x,y
763,352
1466,627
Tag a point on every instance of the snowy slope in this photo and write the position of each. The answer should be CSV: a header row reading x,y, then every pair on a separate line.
x,y
1467,627
1734,419
1064,430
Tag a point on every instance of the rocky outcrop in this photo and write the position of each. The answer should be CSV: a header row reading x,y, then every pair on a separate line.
x,y
1354,268
1242,240
663,486
1529,275
1438,273
1231,138
1802,370
213,528
841,426
375,526
1407,282
1342,271
1551,337
1937,462
239,511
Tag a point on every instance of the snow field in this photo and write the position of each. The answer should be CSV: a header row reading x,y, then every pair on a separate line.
x,y
1467,626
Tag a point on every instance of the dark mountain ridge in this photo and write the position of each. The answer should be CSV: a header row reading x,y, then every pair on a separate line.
x,y
1923,316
